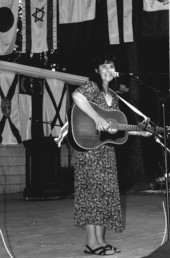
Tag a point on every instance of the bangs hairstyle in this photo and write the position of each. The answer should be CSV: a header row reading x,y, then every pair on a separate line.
x,y
103,58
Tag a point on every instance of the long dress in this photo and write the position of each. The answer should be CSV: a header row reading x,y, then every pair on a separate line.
x,y
97,198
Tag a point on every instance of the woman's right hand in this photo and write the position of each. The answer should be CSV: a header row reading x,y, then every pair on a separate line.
x,y
101,123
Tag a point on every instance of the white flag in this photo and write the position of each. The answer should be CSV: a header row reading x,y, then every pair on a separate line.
x,y
8,25
9,115
71,11
54,107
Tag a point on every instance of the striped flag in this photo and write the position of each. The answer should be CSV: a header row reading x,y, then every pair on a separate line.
x,y
8,25
155,18
122,16
72,11
54,107
39,25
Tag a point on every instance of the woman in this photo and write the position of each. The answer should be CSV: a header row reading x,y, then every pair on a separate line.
x,y
97,199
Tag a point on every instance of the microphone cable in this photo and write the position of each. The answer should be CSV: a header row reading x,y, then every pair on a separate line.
x,y
10,255
165,230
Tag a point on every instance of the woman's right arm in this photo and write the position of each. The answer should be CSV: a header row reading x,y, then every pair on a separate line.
x,y
81,101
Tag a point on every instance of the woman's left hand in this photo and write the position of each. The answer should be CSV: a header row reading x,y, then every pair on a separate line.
x,y
140,133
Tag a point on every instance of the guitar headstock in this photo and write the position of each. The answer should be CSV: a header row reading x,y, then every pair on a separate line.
x,y
161,129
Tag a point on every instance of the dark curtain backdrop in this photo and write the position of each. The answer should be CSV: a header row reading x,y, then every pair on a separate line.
x,y
146,57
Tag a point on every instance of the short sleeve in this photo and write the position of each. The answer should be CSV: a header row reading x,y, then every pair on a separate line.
x,y
89,90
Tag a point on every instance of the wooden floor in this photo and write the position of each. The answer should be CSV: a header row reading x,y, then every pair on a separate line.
x,y
36,228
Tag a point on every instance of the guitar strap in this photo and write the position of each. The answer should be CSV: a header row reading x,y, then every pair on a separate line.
x,y
133,108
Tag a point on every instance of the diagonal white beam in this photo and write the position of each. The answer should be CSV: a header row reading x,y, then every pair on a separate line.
x,y
42,73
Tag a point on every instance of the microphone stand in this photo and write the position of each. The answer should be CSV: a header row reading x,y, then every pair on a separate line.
x,y
166,151
164,98
144,126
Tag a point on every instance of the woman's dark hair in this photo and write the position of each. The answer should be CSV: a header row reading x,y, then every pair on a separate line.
x,y
101,58
104,57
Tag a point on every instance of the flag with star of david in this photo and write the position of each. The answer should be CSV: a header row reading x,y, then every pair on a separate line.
x,y
54,106
8,25
39,25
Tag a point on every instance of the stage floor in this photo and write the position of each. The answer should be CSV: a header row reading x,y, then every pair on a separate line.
x,y
36,228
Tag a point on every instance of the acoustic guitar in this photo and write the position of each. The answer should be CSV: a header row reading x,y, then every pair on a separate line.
x,y
84,136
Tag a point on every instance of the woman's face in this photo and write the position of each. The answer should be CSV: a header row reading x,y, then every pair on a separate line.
x,y
107,71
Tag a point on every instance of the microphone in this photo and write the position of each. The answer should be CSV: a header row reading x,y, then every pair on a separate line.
x,y
132,75
118,74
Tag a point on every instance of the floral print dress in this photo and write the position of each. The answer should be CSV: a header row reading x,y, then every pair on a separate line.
x,y
97,199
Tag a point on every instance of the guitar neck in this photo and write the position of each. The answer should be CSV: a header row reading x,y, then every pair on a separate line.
x,y
128,127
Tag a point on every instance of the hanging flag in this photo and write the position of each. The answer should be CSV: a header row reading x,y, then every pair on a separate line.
x,y
8,25
39,25
54,107
123,17
155,18
9,116
72,11
25,107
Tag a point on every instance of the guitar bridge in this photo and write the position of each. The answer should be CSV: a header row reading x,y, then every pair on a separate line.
x,y
113,126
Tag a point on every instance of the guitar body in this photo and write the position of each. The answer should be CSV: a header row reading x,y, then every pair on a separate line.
x,y
83,134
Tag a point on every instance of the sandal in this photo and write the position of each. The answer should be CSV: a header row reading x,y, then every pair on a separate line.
x,y
110,247
102,250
